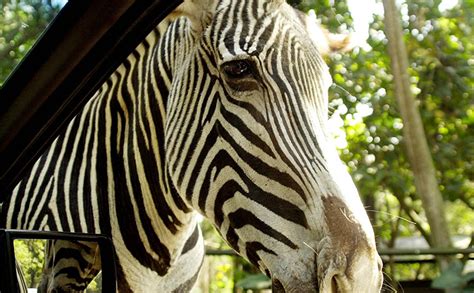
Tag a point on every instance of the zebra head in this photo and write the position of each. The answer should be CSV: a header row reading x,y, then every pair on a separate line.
x,y
247,146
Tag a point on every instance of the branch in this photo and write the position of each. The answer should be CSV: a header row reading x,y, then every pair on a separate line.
x,y
467,202
414,217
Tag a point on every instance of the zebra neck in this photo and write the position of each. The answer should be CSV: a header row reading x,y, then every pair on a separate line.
x,y
149,219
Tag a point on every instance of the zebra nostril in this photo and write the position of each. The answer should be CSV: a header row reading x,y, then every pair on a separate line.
x,y
334,285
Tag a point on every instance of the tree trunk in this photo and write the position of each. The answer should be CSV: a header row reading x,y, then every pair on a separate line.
x,y
413,133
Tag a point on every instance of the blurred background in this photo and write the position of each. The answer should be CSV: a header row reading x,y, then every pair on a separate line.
x,y
369,131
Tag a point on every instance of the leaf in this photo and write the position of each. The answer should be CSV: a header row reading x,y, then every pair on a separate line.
x,y
451,277
468,277
447,280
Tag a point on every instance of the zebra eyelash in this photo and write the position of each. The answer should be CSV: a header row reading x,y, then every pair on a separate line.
x,y
237,69
241,75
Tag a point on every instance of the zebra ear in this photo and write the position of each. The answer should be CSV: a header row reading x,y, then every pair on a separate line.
x,y
199,12
326,41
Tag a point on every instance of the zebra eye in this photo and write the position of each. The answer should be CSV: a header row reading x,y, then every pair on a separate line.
x,y
237,69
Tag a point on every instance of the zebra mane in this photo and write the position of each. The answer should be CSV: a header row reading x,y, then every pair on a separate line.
x,y
199,12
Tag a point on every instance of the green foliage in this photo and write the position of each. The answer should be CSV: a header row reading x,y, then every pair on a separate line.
x,y
95,286
440,51
443,72
30,255
21,22
368,126
334,14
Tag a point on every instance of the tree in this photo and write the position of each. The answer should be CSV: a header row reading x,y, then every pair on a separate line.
x,y
416,145
30,255
369,125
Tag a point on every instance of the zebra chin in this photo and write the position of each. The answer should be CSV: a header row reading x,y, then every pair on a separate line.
x,y
344,273
345,259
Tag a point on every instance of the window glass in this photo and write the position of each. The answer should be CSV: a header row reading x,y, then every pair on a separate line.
x,y
21,23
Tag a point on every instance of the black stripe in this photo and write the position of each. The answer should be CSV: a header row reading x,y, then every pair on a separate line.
x,y
122,283
252,249
21,194
152,177
260,166
241,218
188,284
192,241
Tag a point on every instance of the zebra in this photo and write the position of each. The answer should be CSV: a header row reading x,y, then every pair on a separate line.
x,y
222,111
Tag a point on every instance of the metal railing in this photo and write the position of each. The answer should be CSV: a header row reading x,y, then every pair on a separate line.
x,y
387,253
